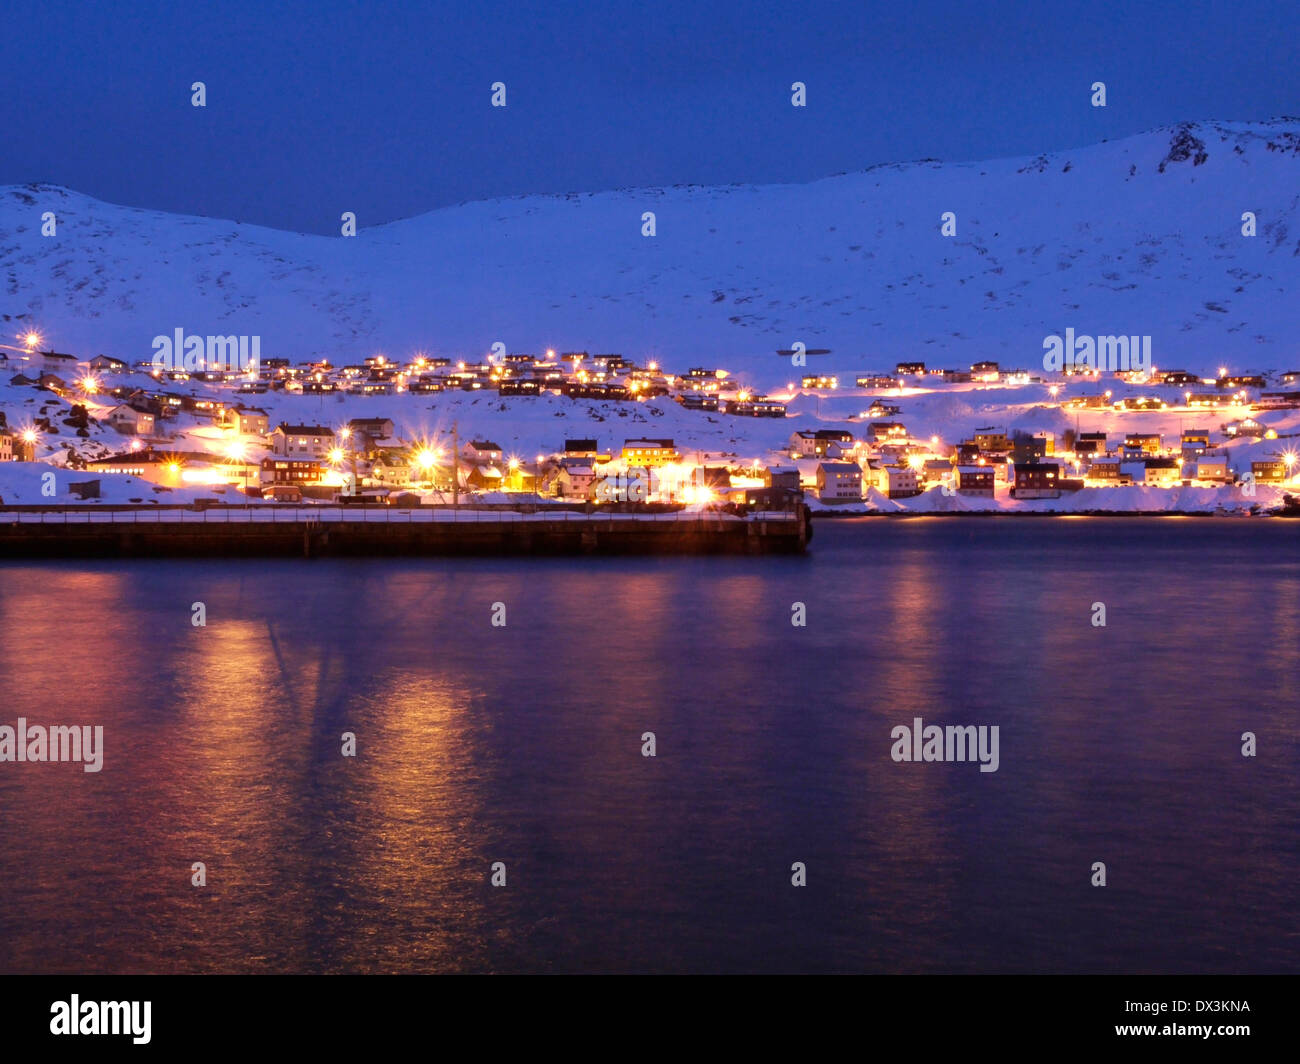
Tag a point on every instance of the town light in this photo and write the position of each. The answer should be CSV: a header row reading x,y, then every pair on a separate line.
x,y
1223,371
32,339
29,435
426,458
344,433
514,463
236,450
336,455
88,384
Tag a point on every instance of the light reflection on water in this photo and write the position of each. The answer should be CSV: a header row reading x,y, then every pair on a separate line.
x,y
522,744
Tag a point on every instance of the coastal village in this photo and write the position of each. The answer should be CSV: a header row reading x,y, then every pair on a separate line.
x,y
597,430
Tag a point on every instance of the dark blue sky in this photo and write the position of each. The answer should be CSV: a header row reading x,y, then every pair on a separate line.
x,y
383,108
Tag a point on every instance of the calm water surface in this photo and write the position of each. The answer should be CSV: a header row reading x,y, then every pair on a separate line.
x,y
522,744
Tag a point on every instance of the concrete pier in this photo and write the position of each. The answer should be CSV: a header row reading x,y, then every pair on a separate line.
x,y
310,532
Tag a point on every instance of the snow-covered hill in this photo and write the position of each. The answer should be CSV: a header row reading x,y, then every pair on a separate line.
x,y
1137,236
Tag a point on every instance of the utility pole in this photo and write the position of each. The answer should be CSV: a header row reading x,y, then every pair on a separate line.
x,y
455,465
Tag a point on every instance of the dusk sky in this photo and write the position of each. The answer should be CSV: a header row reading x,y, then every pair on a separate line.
x,y
318,107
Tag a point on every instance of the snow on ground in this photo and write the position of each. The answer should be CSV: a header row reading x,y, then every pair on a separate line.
x,y
23,484
1138,235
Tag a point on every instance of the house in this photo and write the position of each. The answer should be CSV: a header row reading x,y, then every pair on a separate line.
x,y
816,444
131,421
1162,471
1247,426
302,441
576,480
52,383
783,477
105,364
880,408
1214,468
1027,448
901,482
956,376
483,452
769,499
886,431
839,482
287,470
975,480
1194,442
1109,470
376,428
581,449
935,470
649,452
1269,471
910,369
250,422
164,470
820,383
1143,443
877,381
6,447
392,471
484,478
1037,480
991,441
985,372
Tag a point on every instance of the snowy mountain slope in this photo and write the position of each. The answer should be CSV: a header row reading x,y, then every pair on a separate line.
x,y
1141,235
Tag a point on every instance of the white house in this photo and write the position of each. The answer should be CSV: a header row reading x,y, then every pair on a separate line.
x,y
903,481
248,422
391,473
302,441
1211,467
576,480
839,482
130,421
